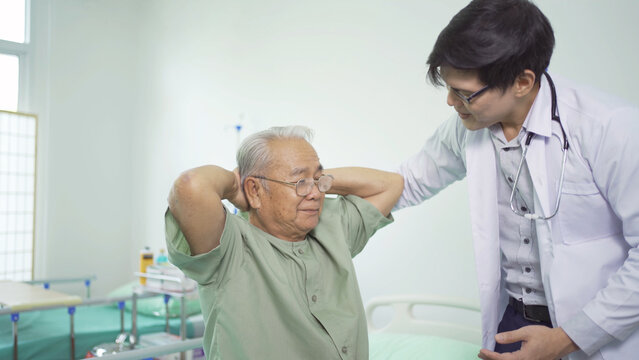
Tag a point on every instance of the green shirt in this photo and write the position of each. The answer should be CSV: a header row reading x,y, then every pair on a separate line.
x,y
267,298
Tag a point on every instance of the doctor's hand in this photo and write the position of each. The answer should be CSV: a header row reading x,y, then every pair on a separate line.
x,y
538,343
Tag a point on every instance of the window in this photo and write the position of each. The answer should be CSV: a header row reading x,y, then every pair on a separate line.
x,y
9,82
14,49
18,135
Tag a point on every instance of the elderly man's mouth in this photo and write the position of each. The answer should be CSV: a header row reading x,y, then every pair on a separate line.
x,y
309,211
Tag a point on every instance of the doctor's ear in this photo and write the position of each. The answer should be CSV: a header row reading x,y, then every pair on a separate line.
x,y
524,83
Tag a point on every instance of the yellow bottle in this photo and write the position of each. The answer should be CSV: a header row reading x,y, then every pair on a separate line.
x,y
146,259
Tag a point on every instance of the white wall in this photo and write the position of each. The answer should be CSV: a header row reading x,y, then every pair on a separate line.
x,y
86,117
353,72
140,91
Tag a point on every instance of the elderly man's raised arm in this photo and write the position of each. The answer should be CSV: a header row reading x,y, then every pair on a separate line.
x,y
380,188
195,202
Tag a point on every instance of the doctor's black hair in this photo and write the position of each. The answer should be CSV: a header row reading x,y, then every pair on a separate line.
x,y
497,38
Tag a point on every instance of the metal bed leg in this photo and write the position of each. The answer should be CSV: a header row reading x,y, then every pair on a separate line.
x,y
71,312
167,297
121,307
87,284
183,324
134,315
14,319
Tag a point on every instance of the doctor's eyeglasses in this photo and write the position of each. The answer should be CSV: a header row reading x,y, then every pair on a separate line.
x,y
467,99
304,187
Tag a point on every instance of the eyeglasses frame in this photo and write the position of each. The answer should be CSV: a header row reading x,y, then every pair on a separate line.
x,y
295,184
467,99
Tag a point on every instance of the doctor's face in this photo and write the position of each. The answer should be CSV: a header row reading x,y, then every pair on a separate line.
x,y
487,108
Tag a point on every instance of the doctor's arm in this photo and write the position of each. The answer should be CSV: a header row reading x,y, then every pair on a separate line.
x,y
439,163
195,202
380,188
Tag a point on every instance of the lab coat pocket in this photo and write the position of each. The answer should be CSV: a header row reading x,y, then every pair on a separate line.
x,y
584,214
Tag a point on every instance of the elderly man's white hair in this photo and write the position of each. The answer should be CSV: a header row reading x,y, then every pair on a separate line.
x,y
254,154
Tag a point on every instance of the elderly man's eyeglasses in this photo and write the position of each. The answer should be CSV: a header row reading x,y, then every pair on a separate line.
x,y
304,187
467,99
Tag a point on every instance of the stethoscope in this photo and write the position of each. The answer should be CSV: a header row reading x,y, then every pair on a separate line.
x,y
555,117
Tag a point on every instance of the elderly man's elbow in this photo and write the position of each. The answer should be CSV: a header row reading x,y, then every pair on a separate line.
x,y
185,187
397,185
393,192
386,200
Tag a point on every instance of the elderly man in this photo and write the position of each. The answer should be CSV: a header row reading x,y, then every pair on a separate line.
x,y
282,284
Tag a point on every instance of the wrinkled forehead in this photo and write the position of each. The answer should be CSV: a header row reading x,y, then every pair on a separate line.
x,y
293,158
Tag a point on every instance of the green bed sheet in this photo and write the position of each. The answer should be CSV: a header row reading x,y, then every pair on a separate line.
x,y
391,346
45,334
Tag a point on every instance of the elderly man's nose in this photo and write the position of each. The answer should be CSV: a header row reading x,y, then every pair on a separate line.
x,y
315,192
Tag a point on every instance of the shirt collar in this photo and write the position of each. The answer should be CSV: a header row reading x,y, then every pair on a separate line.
x,y
538,118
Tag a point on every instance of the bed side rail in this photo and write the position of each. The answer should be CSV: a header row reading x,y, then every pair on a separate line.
x,y
405,321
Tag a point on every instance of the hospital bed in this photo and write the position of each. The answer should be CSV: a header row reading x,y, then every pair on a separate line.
x,y
408,335
45,324
424,327
47,327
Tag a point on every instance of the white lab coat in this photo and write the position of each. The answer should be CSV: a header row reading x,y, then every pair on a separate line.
x,y
589,252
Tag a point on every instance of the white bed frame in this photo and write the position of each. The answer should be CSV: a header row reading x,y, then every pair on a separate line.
x,y
404,320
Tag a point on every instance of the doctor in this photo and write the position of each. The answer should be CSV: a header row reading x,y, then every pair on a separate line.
x,y
553,176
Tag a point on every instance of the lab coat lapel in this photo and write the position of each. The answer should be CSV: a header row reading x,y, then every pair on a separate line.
x,y
539,122
544,166
536,161
482,177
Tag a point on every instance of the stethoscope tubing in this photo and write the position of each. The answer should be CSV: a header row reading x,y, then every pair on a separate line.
x,y
565,146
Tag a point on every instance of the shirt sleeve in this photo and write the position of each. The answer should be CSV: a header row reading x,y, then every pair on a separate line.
x,y
438,164
360,220
586,333
215,266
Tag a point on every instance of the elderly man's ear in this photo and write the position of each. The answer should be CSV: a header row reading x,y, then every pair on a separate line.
x,y
251,190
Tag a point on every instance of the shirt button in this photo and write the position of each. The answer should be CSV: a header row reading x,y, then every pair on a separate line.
x,y
528,269
528,290
523,208
506,149
510,179
314,298
344,349
300,251
526,241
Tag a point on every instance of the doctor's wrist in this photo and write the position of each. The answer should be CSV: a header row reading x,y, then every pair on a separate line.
x,y
567,345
